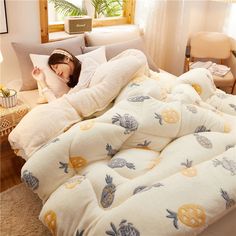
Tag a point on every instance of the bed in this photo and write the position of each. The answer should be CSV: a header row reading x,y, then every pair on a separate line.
x,y
160,161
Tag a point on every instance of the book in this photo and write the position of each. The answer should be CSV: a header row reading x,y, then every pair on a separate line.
x,y
215,69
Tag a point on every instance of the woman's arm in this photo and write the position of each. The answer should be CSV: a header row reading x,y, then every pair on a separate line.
x,y
39,75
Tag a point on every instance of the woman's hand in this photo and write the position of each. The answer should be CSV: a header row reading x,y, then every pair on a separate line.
x,y
38,74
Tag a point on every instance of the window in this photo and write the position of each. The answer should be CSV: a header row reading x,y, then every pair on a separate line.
x,y
53,21
229,27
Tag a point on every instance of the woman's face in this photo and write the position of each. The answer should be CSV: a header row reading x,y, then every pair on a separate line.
x,y
64,69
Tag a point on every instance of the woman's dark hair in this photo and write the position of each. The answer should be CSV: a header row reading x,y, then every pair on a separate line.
x,y
57,58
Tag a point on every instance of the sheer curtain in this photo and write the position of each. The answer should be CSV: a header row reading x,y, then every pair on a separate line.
x,y
166,26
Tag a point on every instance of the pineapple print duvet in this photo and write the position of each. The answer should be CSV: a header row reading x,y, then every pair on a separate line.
x,y
161,161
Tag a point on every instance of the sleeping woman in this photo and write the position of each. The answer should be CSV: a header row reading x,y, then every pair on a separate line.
x,y
65,65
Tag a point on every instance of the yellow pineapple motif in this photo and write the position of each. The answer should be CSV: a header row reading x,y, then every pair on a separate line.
x,y
86,125
138,79
227,128
189,171
77,162
170,116
74,163
198,88
72,183
50,219
192,215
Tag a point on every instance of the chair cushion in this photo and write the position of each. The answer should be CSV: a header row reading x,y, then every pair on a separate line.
x,y
225,81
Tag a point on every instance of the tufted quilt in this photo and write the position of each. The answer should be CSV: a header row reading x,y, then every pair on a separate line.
x,y
161,161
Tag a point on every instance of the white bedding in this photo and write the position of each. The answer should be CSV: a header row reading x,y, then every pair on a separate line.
x,y
161,160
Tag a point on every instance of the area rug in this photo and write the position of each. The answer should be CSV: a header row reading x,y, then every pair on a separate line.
x,y
20,208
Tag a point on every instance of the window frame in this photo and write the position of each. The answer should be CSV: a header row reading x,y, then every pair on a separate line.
x,y
46,29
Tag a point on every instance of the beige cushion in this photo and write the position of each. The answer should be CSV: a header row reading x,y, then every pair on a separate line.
x,y
113,50
110,36
225,81
24,49
210,45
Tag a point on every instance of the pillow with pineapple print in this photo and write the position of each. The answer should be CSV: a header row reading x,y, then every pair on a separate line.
x,y
201,80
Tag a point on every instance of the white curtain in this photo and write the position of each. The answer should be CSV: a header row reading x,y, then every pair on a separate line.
x,y
167,25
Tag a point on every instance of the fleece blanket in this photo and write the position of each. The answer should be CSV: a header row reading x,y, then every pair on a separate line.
x,y
161,161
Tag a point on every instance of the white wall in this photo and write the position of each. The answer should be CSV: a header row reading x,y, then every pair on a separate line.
x,y
23,26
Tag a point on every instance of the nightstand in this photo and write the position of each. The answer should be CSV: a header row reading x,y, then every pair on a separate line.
x,y
10,117
10,163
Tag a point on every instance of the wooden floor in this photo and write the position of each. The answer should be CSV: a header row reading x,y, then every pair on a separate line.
x,y
10,166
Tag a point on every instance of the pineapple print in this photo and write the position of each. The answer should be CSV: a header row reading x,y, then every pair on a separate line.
x,y
31,181
138,98
191,215
140,189
72,183
229,201
50,219
221,95
203,141
126,121
233,106
229,146
74,163
144,145
198,88
169,116
110,151
125,229
108,192
189,170
192,109
120,162
159,118
227,128
201,128
229,165
79,233
86,125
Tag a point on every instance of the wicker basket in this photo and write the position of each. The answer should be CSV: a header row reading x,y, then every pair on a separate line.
x,y
9,101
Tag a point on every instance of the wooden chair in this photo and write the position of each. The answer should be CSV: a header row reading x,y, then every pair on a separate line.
x,y
211,46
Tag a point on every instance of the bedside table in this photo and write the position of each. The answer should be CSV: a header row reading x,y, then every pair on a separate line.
x,y
10,163
10,117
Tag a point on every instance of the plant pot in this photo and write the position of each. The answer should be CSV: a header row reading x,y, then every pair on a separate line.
x,y
9,101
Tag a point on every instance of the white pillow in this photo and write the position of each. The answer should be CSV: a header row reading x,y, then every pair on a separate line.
x,y
90,61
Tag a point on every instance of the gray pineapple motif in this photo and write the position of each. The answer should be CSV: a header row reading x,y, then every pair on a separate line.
x,y
110,151
192,109
126,121
233,106
159,117
229,201
134,85
229,146
125,229
108,192
221,95
140,98
31,181
187,164
144,144
229,165
203,141
201,128
120,162
64,166
143,188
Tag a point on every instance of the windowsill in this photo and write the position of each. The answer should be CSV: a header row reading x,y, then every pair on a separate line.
x,y
56,36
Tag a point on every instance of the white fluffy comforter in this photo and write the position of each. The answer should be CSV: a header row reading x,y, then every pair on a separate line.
x,y
161,161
